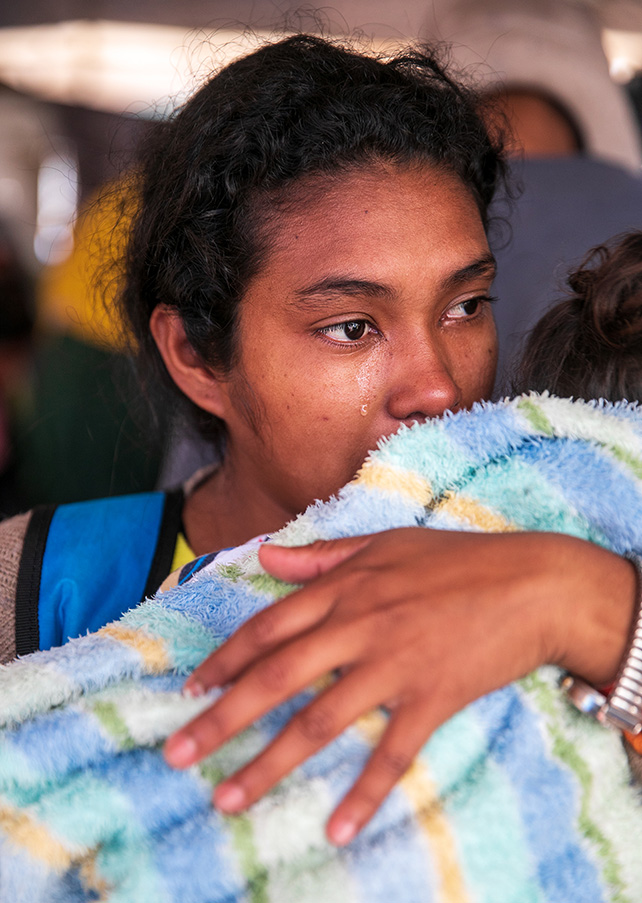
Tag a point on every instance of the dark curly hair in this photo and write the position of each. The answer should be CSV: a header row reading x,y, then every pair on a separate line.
x,y
589,345
215,174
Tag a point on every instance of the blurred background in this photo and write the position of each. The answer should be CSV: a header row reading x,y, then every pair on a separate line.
x,y
81,83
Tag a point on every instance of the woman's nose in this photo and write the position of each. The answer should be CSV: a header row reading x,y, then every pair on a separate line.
x,y
423,385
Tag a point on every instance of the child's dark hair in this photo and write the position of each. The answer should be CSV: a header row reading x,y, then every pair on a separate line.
x,y
212,182
590,344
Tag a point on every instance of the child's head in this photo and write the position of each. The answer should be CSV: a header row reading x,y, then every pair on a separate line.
x,y
590,344
267,137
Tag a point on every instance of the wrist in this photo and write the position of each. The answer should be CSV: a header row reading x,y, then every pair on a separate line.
x,y
602,592
621,706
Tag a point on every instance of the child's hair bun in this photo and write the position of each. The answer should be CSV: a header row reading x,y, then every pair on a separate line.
x,y
589,345
608,290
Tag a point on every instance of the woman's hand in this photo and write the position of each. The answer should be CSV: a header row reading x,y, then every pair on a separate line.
x,y
420,621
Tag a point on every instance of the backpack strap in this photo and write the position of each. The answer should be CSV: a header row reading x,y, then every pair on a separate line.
x,y
86,563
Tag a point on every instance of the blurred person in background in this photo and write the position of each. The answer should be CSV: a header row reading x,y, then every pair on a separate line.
x,y
573,139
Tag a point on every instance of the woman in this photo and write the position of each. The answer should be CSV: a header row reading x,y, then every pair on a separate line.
x,y
309,268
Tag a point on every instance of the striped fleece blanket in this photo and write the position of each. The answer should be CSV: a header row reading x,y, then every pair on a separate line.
x,y
517,799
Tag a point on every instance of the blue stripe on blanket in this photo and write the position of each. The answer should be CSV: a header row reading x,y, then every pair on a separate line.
x,y
565,869
215,602
616,509
197,861
475,790
25,879
401,862
159,796
501,434
46,749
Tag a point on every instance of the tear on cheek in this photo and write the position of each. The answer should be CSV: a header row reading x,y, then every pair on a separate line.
x,y
367,375
368,378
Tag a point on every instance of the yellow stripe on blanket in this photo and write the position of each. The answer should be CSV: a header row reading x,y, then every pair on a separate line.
x,y
91,878
473,514
376,475
151,649
33,837
429,814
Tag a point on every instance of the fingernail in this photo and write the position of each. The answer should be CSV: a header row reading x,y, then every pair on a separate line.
x,y
180,751
229,797
193,689
342,832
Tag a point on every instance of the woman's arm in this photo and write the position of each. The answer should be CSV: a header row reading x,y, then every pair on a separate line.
x,y
420,621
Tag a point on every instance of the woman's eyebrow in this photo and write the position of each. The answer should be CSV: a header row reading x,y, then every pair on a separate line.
x,y
340,285
484,267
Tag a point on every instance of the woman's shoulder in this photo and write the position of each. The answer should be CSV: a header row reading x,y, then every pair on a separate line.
x,y
12,536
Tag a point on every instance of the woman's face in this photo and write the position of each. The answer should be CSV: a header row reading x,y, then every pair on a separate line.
x,y
371,310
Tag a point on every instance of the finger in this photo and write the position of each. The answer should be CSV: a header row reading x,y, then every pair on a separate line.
x,y
299,564
258,636
265,685
308,731
407,731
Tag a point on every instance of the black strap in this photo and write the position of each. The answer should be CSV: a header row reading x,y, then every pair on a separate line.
x,y
28,585
169,529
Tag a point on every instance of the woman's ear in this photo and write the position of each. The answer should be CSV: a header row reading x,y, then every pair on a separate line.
x,y
190,373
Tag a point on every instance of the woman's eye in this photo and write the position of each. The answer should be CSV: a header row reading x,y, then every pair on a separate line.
x,y
467,308
350,331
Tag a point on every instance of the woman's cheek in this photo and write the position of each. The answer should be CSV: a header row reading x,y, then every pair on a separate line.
x,y
479,377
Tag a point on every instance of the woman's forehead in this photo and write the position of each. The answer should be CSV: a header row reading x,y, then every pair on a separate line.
x,y
378,210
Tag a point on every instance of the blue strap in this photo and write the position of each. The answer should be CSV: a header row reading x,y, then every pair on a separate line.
x,y
96,563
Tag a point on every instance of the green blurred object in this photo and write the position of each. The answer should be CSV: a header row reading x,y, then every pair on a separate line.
x,y
80,430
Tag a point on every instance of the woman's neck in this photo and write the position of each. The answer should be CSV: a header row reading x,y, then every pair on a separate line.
x,y
220,512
